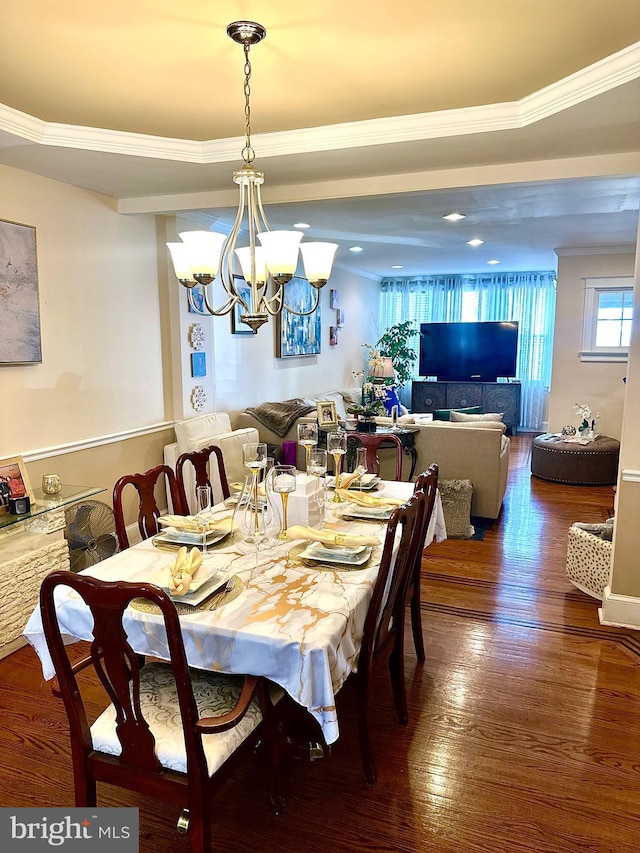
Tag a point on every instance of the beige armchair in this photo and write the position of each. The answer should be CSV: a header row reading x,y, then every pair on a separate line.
x,y
203,431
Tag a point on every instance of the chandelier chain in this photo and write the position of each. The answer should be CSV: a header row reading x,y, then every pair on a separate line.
x,y
248,154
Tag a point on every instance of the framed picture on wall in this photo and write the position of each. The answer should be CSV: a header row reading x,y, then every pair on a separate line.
x,y
197,294
19,303
237,326
198,364
298,335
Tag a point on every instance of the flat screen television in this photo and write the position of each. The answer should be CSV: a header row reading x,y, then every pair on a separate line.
x,y
476,352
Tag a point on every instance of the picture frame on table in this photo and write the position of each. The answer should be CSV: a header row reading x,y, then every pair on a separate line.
x,y
327,416
14,481
237,326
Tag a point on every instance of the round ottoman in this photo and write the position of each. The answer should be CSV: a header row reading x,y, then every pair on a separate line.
x,y
594,464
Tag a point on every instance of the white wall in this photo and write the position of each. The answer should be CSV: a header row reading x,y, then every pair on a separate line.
x,y
101,364
598,384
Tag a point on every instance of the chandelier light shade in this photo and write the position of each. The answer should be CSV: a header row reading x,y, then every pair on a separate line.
x,y
270,259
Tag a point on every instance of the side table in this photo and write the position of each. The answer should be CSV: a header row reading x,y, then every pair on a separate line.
x,y
31,545
559,461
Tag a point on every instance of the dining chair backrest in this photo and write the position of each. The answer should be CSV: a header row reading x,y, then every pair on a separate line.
x,y
148,510
200,461
149,739
371,441
427,483
384,624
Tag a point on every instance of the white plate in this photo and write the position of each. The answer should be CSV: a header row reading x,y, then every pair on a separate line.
x,y
205,583
173,536
357,511
370,482
348,556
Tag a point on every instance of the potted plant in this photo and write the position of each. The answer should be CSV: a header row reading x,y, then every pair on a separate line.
x,y
395,344
366,414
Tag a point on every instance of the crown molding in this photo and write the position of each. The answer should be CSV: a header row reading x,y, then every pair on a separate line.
x,y
602,76
617,249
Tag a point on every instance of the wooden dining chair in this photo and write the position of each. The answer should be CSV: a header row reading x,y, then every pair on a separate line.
x,y
427,482
383,636
148,511
167,732
200,461
371,441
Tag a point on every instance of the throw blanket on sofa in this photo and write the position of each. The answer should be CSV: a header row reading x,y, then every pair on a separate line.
x,y
279,416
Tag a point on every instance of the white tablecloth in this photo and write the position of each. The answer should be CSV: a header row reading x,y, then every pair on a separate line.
x,y
298,626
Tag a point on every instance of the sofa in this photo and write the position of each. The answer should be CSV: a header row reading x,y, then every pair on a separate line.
x,y
474,450
277,431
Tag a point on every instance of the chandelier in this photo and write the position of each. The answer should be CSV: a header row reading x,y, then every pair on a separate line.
x,y
270,259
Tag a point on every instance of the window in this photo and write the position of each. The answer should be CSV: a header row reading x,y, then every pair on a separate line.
x,y
608,308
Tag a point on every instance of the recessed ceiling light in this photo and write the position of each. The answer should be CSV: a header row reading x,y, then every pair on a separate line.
x,y
475,242
493,262
454,217
356,249
397,267
301,225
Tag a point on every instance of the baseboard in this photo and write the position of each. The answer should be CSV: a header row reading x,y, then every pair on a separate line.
x,y
620,611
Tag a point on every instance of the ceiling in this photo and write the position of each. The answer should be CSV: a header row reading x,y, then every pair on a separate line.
x,y
371,121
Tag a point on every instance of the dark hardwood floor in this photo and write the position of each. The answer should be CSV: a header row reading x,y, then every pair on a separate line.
x,y
524,731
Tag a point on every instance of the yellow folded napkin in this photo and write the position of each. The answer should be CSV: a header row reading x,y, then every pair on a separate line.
x,y
369,500
183,570
330,537
193,525
345,480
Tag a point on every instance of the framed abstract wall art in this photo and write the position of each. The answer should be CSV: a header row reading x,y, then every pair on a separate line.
x,y
20,342
237,326
298,336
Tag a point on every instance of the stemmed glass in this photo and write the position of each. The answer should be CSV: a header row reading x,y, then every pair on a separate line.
x,y
317,467
360,462
283,482
254,457
337,447
308,437
204,513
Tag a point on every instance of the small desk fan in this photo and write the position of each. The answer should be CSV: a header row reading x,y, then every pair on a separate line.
x,y
90,532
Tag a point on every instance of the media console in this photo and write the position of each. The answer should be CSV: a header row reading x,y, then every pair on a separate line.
x,y
491,396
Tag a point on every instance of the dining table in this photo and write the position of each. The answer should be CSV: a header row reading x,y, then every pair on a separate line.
x,y
274,613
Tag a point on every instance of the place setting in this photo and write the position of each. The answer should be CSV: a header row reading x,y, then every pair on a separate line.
x,y
192,583
203,530
327,549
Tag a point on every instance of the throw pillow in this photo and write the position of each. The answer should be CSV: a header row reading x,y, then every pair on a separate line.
x,y
445,414
461,417
391,399
456,506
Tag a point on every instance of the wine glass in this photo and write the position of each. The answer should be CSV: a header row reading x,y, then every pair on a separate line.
x,y
360,462
308,437
318,468
204,512
283,482
337,447
254,457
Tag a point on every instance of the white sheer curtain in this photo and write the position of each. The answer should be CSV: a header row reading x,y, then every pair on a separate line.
x,y
528,297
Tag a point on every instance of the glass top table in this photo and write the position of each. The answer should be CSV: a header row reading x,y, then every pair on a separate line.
x,y
47,503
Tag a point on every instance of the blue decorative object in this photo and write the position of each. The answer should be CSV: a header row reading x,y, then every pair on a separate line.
x,y
390,399
198,364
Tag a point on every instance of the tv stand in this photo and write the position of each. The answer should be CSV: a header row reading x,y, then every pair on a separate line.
x,y
491,396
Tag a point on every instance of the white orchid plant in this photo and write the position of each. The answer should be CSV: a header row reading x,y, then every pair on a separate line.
x,y
589,418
